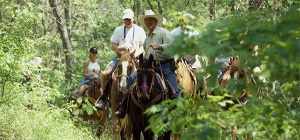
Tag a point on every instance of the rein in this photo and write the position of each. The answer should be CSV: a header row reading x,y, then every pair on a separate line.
x,y
122,75
144,86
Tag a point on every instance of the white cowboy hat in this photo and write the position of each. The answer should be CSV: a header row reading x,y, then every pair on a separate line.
x,y
150,13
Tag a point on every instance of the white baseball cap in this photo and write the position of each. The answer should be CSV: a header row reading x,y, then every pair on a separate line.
x,y
128,14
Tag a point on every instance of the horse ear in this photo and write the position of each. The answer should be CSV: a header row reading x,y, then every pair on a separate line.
x,y
132,54
151,58
141,58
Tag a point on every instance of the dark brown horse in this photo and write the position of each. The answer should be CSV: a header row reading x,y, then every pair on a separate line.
x,y
92,94
147,90
126,65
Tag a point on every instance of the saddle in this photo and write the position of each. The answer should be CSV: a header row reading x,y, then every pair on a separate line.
x,y
86,92
190,69
167,87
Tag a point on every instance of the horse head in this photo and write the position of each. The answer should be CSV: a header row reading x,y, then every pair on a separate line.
x,y
146,78
126,66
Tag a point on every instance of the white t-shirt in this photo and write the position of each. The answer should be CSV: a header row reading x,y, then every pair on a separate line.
x,y
132,37
192,59
93,66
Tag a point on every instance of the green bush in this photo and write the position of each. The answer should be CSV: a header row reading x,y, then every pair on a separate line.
x,y
273,110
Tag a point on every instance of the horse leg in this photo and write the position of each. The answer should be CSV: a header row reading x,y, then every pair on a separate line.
x,y
123,134
116,128
148,135
136,133
177,136
129,128
108,70
234,132
102,118
167,135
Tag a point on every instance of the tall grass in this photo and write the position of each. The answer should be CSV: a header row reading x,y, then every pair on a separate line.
x,y
26,115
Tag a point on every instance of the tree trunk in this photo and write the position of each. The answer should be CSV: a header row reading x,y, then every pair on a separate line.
x,y
0,13
138,8
62,29
151,6
159,7
212,10
257,4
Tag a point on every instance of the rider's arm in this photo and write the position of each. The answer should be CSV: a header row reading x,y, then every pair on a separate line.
x,y
116,48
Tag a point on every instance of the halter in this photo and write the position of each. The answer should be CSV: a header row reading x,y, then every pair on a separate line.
x,y
129,71
144,86
122,75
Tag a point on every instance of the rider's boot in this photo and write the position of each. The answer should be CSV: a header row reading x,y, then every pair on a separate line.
x,y
121,111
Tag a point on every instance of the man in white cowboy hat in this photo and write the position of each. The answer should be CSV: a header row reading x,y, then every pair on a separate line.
x,y
127,37
157,40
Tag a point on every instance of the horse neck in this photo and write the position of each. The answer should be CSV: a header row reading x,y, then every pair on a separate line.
x,y
158,87
95,90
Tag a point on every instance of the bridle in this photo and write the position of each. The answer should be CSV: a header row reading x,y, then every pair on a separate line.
x,y
144,85
128,72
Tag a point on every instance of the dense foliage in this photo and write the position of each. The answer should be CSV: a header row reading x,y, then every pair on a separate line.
x,y
273,110
40,111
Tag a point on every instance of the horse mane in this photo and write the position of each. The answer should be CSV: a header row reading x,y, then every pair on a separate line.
x,y
145,93
125,56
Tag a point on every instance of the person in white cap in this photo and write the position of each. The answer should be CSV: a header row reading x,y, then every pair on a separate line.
x,y
127,37
191,59
157,40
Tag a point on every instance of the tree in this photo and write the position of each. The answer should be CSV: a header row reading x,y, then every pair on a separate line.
x,y
62,28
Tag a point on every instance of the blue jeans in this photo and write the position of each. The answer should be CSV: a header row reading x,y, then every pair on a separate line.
x,y
114,62
168,74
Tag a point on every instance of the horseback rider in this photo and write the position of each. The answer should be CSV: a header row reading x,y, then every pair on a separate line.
x,y
91,70
157,40
186,29
128,37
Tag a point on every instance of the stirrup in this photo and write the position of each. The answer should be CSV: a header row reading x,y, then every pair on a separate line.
x,y
121,111
180,88
100,105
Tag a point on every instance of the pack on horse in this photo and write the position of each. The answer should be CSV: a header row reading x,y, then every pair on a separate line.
x,y
126,66
186,78
92,93
147,90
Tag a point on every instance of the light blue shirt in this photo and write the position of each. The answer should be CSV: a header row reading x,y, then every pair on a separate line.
x,y
163,38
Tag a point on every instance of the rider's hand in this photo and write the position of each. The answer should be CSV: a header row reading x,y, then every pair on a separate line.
x,y
127,49
95,75
155,46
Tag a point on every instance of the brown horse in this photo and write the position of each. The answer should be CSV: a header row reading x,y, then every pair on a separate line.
x,y
232,71
126,65
92,94
147,90
186,78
